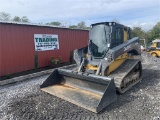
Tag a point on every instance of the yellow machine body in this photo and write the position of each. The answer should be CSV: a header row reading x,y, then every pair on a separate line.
x,y
154,48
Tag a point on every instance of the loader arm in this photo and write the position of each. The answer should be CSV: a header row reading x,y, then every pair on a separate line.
x,y
131,46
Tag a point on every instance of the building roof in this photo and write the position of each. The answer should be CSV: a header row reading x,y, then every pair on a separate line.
x,y
35,24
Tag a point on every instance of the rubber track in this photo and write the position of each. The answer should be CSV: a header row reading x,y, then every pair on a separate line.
x,y
120,73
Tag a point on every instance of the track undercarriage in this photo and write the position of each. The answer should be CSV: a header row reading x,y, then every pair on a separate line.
x,y
127,75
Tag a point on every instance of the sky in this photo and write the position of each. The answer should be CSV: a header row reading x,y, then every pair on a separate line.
x,y
132,13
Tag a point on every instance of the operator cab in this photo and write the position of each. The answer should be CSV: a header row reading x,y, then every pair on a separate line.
x,y
104,36
154,45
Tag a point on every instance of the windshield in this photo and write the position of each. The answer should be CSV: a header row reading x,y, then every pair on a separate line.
x,y
99,40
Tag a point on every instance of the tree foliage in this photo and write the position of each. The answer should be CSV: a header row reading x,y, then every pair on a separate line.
x,y
17,19
156,31
150,35
5,16
54,23
73,26
137,31
24,19
80,25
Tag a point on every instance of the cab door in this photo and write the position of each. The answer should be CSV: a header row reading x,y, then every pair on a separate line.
x,y
117,36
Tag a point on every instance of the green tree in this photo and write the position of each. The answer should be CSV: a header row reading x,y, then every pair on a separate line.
x,y
5,16
24,19
17,19
73,26
54,23
138,32
81,25
149,36
156,31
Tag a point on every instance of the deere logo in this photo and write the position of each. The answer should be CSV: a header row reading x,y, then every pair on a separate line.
x,y
127,47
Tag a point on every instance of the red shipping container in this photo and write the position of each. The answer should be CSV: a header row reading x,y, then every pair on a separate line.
x,y
17,51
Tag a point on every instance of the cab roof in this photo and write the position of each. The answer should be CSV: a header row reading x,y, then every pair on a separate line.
x,y
156,40
107,23
110,23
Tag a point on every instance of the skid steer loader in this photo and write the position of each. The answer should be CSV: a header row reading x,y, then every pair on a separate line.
x,y
109,64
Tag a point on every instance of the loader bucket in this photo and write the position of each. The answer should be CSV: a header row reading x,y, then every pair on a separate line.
x,y
89,91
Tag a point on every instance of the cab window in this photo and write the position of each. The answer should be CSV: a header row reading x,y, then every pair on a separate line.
x,y
158,44
117,37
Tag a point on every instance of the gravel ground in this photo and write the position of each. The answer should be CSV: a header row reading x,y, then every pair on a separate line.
x,y
148,59
25,101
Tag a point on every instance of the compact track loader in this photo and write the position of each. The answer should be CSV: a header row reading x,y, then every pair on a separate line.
x,y
110,64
